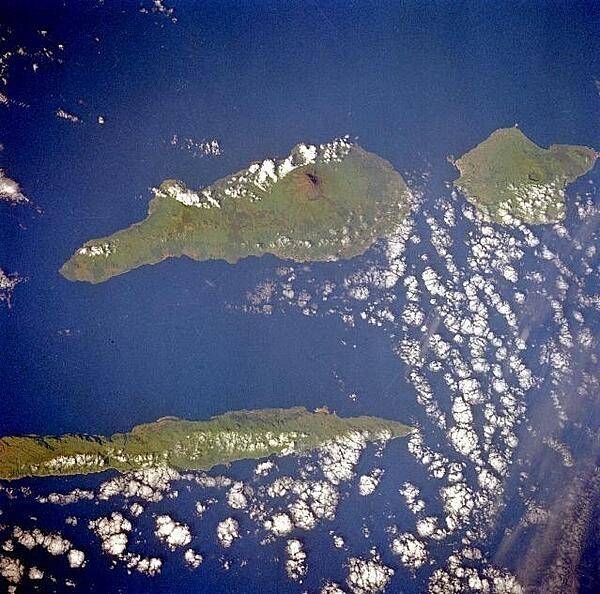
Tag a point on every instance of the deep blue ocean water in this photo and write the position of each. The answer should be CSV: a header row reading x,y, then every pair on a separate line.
x,y
412,81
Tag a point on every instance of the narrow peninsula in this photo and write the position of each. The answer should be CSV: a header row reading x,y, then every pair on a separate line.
x,y
510,178
320,203
188,445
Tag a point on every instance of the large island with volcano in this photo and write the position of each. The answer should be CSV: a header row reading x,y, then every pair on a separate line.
x,y
320,203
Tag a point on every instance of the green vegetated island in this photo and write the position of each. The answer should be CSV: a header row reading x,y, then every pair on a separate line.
x,y
321,202
510,177
187,445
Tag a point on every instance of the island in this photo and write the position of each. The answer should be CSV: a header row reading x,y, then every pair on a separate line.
x,y
188,445
510,178
320,203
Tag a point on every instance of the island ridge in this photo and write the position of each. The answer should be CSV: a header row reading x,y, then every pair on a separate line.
x,y
188,445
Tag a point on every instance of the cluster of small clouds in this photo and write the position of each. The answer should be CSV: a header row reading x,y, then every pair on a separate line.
x,y
197,148
113,532
159,7
173,534
534,203
295,565
149,484
312,500
54,543
227,531
459,576
67,498
253,182
63,114
40,50
104,249
368,576
368,483
13,569
237,495
193,559
10,191
339,458
411,551
8,283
